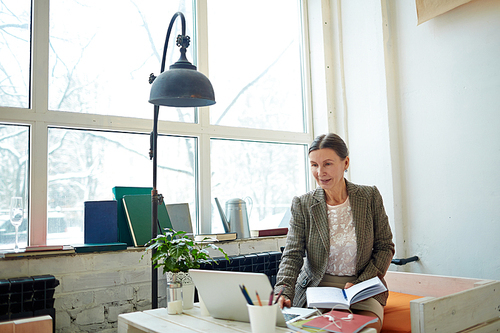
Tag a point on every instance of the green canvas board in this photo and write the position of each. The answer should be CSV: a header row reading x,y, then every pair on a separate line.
x,y
124,235
138,213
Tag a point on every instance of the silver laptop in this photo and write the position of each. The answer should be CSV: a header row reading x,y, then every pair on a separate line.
x,y
222,295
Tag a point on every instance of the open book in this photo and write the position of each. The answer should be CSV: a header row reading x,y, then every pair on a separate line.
x,y
329,297
339,322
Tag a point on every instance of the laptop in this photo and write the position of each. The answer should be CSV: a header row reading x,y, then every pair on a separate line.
x,y
223,298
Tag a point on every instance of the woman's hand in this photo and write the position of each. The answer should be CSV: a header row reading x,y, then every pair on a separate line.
x,y
348,285
284,302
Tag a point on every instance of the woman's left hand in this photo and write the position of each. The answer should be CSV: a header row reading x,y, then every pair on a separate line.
x,y
348,285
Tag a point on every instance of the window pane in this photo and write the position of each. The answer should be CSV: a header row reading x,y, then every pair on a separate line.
x,y
100,59
255,64
14,52
86,165
14,157
269,174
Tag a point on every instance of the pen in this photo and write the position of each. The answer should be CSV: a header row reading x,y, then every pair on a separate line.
x,y
271,298
345,295
247,297
279,294
258,298
247,294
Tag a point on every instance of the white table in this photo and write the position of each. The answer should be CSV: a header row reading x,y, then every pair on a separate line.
x,y
158,320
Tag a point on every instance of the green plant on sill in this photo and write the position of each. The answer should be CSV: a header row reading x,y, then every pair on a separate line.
x,y
177,252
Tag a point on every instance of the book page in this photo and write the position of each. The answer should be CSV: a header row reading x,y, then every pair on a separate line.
x,y
325,295
365,289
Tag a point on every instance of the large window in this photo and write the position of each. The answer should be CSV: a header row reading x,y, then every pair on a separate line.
x,y
14,52
257,70
14,165
261,173
82,117
100,61
86,165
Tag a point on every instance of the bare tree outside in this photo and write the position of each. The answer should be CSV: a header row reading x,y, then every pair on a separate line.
x,y
99,63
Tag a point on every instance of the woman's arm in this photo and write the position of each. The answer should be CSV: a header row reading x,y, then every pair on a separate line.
x,y
383,247
293,255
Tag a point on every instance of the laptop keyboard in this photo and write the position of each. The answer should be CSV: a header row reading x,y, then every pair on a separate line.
x,y
289,316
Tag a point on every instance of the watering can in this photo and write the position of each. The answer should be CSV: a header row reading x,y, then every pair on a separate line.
x,y
236,217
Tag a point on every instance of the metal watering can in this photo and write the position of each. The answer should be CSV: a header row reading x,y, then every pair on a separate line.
x,y
236,217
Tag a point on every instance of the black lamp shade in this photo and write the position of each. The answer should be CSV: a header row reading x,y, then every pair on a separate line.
x,y
182,87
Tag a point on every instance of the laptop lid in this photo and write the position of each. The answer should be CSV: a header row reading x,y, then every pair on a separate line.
x,y
222,296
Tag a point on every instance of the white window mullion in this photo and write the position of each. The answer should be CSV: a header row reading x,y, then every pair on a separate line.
x,y
39,105
205,178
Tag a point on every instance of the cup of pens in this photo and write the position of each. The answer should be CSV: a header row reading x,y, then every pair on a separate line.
x,y
262,313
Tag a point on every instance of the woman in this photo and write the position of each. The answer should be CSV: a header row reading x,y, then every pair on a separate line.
x,y
342,230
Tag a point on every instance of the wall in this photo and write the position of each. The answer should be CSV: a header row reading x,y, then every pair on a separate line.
x,y
423,117
96,287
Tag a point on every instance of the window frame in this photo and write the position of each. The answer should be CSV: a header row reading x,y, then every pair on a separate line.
x,y
40,118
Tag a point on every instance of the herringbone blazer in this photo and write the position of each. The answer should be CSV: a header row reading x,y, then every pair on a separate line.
x,y
308,236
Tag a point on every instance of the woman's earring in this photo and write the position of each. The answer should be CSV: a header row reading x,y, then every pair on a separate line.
x,y
345,170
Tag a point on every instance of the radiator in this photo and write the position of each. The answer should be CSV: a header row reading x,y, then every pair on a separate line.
x,y
26,297
264,262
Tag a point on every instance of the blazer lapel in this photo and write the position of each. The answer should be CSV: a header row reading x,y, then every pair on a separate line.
x,y
359,205
320,218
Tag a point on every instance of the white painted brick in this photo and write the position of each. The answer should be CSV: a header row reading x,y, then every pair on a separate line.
x,y
63,320
144,305
281,242
231,248
261,245
120,261
114,311
90,281
114,294
139,275
56,265
143,292
73,300
91,316
12,268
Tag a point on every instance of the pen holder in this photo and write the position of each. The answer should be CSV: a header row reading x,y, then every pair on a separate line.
x,y
262,318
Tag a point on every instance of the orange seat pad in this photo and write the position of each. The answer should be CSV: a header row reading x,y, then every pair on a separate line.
x,y
397,313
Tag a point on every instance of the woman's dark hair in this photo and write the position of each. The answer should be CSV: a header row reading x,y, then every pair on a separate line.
x,y
332,141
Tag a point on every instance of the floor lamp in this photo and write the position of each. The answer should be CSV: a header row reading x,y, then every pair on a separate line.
x,y
181,86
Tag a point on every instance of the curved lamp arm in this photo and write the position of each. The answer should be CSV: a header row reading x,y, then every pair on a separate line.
x,y
181,86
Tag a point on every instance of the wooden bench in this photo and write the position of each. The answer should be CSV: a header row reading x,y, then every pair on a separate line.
x,y
41,324
441,304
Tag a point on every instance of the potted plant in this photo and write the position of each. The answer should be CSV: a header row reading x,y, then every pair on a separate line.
x,y
177,253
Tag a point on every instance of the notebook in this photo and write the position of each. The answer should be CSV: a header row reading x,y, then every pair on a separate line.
x,y
138,213
222,296
180,217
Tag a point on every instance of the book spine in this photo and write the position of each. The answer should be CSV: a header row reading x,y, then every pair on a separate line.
x,y
273,232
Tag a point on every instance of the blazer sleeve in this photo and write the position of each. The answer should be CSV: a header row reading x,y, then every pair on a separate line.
x,y
383,247
293,255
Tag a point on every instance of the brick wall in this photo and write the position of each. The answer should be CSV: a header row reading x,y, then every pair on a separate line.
x,y
96,287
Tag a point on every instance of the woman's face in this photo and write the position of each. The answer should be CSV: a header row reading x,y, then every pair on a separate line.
x,y
328,168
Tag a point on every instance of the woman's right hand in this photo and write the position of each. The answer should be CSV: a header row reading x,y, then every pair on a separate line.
x,y
284,302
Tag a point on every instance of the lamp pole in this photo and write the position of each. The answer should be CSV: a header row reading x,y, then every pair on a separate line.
x,y
181,86
155,201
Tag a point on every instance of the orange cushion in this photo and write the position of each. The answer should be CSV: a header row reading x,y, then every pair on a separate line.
x,y
397,313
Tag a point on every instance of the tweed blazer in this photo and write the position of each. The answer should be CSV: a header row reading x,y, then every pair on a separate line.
x,y
309,237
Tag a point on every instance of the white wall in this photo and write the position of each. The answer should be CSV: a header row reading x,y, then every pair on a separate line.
x,y
423,108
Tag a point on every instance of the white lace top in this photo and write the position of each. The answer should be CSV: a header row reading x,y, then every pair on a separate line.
x,y
342,259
